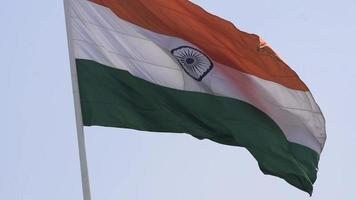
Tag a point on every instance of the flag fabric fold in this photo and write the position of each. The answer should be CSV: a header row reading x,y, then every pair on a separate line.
x,y
169,66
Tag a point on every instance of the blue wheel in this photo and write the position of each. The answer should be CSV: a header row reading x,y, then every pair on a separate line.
x,y
194,62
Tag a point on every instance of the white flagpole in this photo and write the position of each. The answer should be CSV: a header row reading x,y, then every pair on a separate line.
x,y
78,112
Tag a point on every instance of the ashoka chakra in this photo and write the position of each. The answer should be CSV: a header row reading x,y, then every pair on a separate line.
x,y
194,62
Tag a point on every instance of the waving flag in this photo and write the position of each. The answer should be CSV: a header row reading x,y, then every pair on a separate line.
x,y
169,66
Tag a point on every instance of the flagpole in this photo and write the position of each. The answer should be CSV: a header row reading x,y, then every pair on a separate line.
x,y
78,112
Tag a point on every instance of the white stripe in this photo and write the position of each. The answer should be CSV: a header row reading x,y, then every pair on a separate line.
x,y
99,35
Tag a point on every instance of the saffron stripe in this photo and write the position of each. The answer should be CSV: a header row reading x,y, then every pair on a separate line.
x,y
220,39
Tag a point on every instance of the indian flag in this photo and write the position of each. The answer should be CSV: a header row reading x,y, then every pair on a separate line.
x,y
170,66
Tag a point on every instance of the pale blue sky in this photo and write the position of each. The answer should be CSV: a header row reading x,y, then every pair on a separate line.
x,y
38,149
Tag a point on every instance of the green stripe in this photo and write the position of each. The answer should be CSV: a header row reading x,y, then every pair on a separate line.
x,y
114,98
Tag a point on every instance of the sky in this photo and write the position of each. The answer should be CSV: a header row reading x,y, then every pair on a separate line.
x,y
38,146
